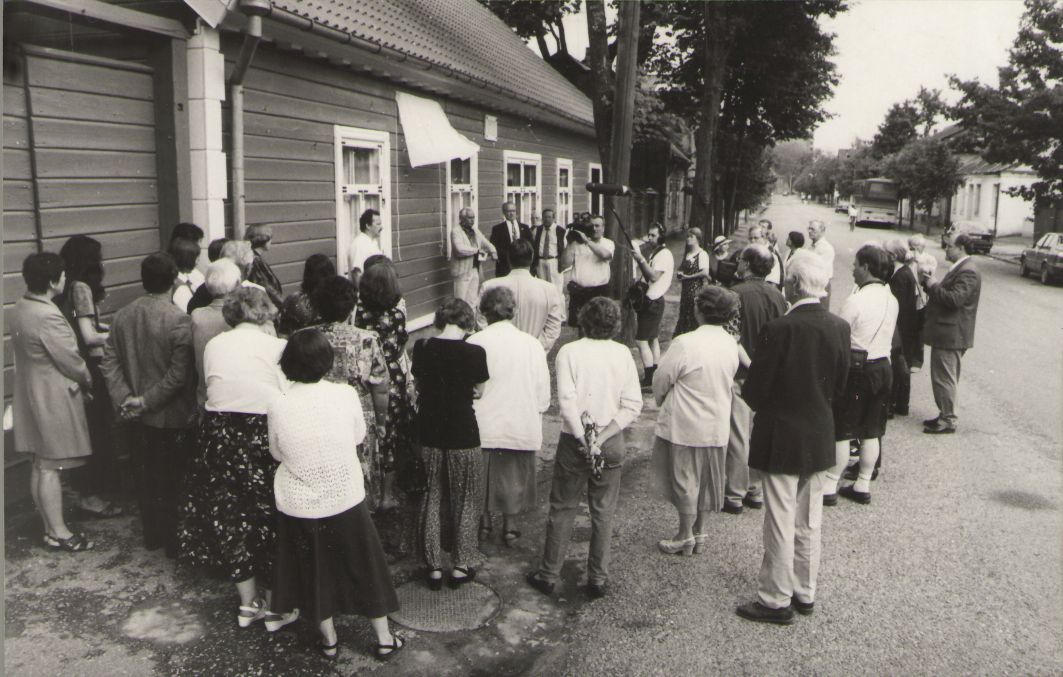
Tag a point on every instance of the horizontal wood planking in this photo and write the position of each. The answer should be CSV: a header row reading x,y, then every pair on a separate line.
x,y
86,135
95,193
89,78
57,103
80,164
16,133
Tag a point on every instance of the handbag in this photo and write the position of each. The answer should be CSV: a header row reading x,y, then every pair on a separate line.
x,y
858,356
636,293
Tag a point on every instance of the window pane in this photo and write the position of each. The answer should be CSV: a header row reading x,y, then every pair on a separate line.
x,y
362,165
596,175
562,178
529,175
455,207
461,171
512,174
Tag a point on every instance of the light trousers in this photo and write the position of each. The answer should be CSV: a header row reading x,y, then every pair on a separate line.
x,y
741,479
467,287
792,528
944,380
547,270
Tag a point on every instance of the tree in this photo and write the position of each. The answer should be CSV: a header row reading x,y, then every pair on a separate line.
x,y
790,158
897,130
535,19
925,171
1021,120
854,168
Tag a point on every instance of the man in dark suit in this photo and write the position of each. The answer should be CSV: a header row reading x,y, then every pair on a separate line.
x,y
799,368
506,233
548,239
951,310
761,303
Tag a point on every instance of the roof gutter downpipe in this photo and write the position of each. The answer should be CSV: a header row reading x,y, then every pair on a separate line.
x,y
255,10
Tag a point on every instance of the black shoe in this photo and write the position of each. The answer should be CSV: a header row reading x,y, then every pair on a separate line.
x,y
862,497
455,582
939,428
803,608
755,611
752,503
595,590
932,421
830,500
732,509
545,587
900,412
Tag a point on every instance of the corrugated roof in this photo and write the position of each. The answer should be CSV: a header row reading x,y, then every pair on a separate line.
x,y
974,164
461,35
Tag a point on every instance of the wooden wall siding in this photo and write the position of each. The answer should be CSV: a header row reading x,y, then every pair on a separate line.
x,y
94,141
291,105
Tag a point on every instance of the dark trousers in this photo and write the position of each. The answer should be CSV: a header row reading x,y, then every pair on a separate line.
x,y
902,383
100,474
159,457
579,296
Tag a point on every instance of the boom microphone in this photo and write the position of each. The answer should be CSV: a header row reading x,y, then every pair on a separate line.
x,y
608,189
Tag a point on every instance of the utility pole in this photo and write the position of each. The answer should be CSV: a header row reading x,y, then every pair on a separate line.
x,y
620,157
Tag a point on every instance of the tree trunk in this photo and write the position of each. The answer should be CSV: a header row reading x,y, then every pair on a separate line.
x,y
911,214
603,81
714,51
544,48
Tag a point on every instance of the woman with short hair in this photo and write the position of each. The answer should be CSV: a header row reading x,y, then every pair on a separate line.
x,y
693,390
297,311
221,279
260,235
693,274
329,558
449,373
228,519
51,384
83,262
358,362
378,311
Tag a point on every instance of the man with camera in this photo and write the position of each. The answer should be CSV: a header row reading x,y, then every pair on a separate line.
x,y
588,254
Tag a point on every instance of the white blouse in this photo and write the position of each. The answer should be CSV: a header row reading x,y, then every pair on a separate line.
x,y
242,370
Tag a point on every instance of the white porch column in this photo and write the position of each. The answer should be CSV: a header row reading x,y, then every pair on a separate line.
x,y
206,91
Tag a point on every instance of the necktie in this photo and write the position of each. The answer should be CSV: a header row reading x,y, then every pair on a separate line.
x,y
546,242
513,231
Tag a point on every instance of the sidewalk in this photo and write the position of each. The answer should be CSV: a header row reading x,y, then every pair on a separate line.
x,y
1009,249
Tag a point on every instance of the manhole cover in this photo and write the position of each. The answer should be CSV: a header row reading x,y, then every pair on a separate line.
x,y
469,607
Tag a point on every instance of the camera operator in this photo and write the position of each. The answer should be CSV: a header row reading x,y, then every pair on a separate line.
x,y
588,254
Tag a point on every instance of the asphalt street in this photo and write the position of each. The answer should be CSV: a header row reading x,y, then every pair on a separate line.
x,y
954,568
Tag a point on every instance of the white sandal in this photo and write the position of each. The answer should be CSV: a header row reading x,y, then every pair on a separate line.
x,y
275,622
249,614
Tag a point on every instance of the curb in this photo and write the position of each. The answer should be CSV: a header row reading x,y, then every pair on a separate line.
x,y
1005,258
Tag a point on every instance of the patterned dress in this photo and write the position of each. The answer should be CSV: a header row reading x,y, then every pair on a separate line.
x,y
687,320
359,362
390,328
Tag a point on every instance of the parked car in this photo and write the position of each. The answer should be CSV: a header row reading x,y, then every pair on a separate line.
x,y
841,207
1044,258
982,239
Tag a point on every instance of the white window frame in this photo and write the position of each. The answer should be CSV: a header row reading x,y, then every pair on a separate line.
x,y
452,218
977,200
514,156
356,137
564,163
591,196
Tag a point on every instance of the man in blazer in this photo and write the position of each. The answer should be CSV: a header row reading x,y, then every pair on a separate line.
x,y
149,366
799,368
951,310
506,233
549,241
906,342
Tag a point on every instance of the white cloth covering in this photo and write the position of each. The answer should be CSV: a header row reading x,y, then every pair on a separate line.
x,y
242,370
430,139
509,413
314,431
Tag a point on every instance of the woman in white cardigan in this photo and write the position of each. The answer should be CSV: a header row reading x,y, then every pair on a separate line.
x,y
329,558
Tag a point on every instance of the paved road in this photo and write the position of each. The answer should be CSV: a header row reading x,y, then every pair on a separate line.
x,y
954,568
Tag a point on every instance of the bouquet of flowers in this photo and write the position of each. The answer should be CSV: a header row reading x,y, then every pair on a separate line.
x,y
590,444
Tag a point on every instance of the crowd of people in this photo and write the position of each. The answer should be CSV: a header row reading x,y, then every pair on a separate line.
x,y
266,431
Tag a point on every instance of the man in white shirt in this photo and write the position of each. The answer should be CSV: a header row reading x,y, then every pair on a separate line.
x,y
540,307
589,259
824,250
366,243
509,412
758,235
658,271
871,312
597,383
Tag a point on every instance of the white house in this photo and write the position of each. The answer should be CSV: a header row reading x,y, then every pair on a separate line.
x,y
982,202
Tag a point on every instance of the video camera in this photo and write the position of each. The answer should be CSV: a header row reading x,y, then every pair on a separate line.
x,y
586,228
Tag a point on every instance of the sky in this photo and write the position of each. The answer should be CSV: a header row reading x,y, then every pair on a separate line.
x,y
887,49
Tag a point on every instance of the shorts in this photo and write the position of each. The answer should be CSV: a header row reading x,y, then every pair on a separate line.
x,y
649,320
861,415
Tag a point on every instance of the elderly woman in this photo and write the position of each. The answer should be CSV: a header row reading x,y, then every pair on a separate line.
x,y
297,311
222,278
260,236
83,263
329,559
449,373
509,414
228,519
379,312
692,388
51,384
693,274
358,362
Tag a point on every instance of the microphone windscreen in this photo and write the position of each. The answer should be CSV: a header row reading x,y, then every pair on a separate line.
x,y
608,189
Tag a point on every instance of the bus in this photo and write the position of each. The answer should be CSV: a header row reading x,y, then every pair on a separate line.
x,y
876,202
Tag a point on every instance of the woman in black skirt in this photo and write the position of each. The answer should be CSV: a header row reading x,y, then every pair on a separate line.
x,y
450,373
329,559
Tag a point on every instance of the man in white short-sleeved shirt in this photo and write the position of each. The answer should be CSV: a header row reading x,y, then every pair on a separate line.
x,y
589,259
366,243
